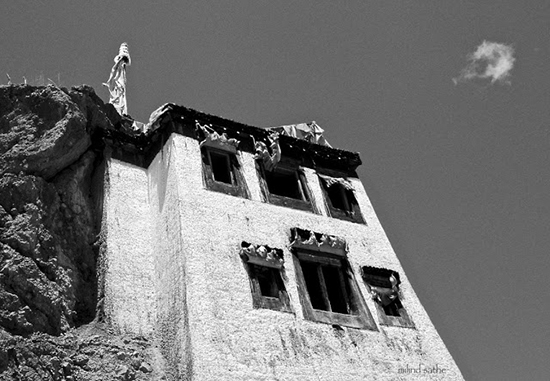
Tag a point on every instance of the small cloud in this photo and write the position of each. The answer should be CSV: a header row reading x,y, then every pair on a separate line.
x,y
491,60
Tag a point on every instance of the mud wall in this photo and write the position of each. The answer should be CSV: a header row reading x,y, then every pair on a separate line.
x,y
205,316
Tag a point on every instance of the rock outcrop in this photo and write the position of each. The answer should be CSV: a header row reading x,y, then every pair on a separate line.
x,y
50,217
90,353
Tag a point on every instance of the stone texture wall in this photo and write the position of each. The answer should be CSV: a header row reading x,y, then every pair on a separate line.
x,y
48,221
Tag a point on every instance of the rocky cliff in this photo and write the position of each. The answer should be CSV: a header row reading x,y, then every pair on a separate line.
x,y
50,218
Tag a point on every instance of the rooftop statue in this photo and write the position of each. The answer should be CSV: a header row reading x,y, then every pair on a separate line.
x,y
117,80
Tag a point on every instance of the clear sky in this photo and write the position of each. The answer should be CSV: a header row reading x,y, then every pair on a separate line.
x,y
458,171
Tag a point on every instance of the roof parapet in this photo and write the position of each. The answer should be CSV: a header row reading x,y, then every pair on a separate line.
x,y
308,146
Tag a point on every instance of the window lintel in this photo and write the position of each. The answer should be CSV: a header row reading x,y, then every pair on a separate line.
x,y
215,140
311,241
262,255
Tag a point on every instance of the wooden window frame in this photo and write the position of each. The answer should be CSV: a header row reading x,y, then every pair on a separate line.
x,y
353,215
280,303
359,316
290,167
403,320
238,184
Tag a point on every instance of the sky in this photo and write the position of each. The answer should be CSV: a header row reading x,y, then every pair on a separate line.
x,y
446,101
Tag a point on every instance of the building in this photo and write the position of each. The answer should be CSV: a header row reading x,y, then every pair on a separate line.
x,y
253,255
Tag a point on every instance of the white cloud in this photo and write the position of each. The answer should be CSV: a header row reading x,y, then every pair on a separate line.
x,y
491,60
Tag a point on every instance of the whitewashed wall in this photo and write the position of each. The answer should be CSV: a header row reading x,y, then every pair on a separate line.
x,y
195,284
129,302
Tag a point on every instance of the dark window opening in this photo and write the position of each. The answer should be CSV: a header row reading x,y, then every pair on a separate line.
x,y
268,288
221,172
285,183
313,284
326,287
267,278
328,290
336,289
340,197
385,291
221,167
393,308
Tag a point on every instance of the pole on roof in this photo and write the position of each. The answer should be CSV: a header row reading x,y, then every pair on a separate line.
x,y
117,80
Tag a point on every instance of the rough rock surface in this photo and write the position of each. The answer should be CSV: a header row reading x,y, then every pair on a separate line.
x,y
90,353
49,227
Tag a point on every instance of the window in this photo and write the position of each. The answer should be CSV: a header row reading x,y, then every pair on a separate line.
x,y
264,266
384,288
285,185
220,163
222,172
340,198
326,284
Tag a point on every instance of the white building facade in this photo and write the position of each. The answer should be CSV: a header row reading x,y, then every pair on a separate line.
x,y
252,257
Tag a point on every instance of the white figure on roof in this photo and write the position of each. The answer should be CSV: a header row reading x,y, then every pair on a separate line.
x,y
117,80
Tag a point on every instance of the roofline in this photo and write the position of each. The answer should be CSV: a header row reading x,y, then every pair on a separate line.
x,y
140,147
